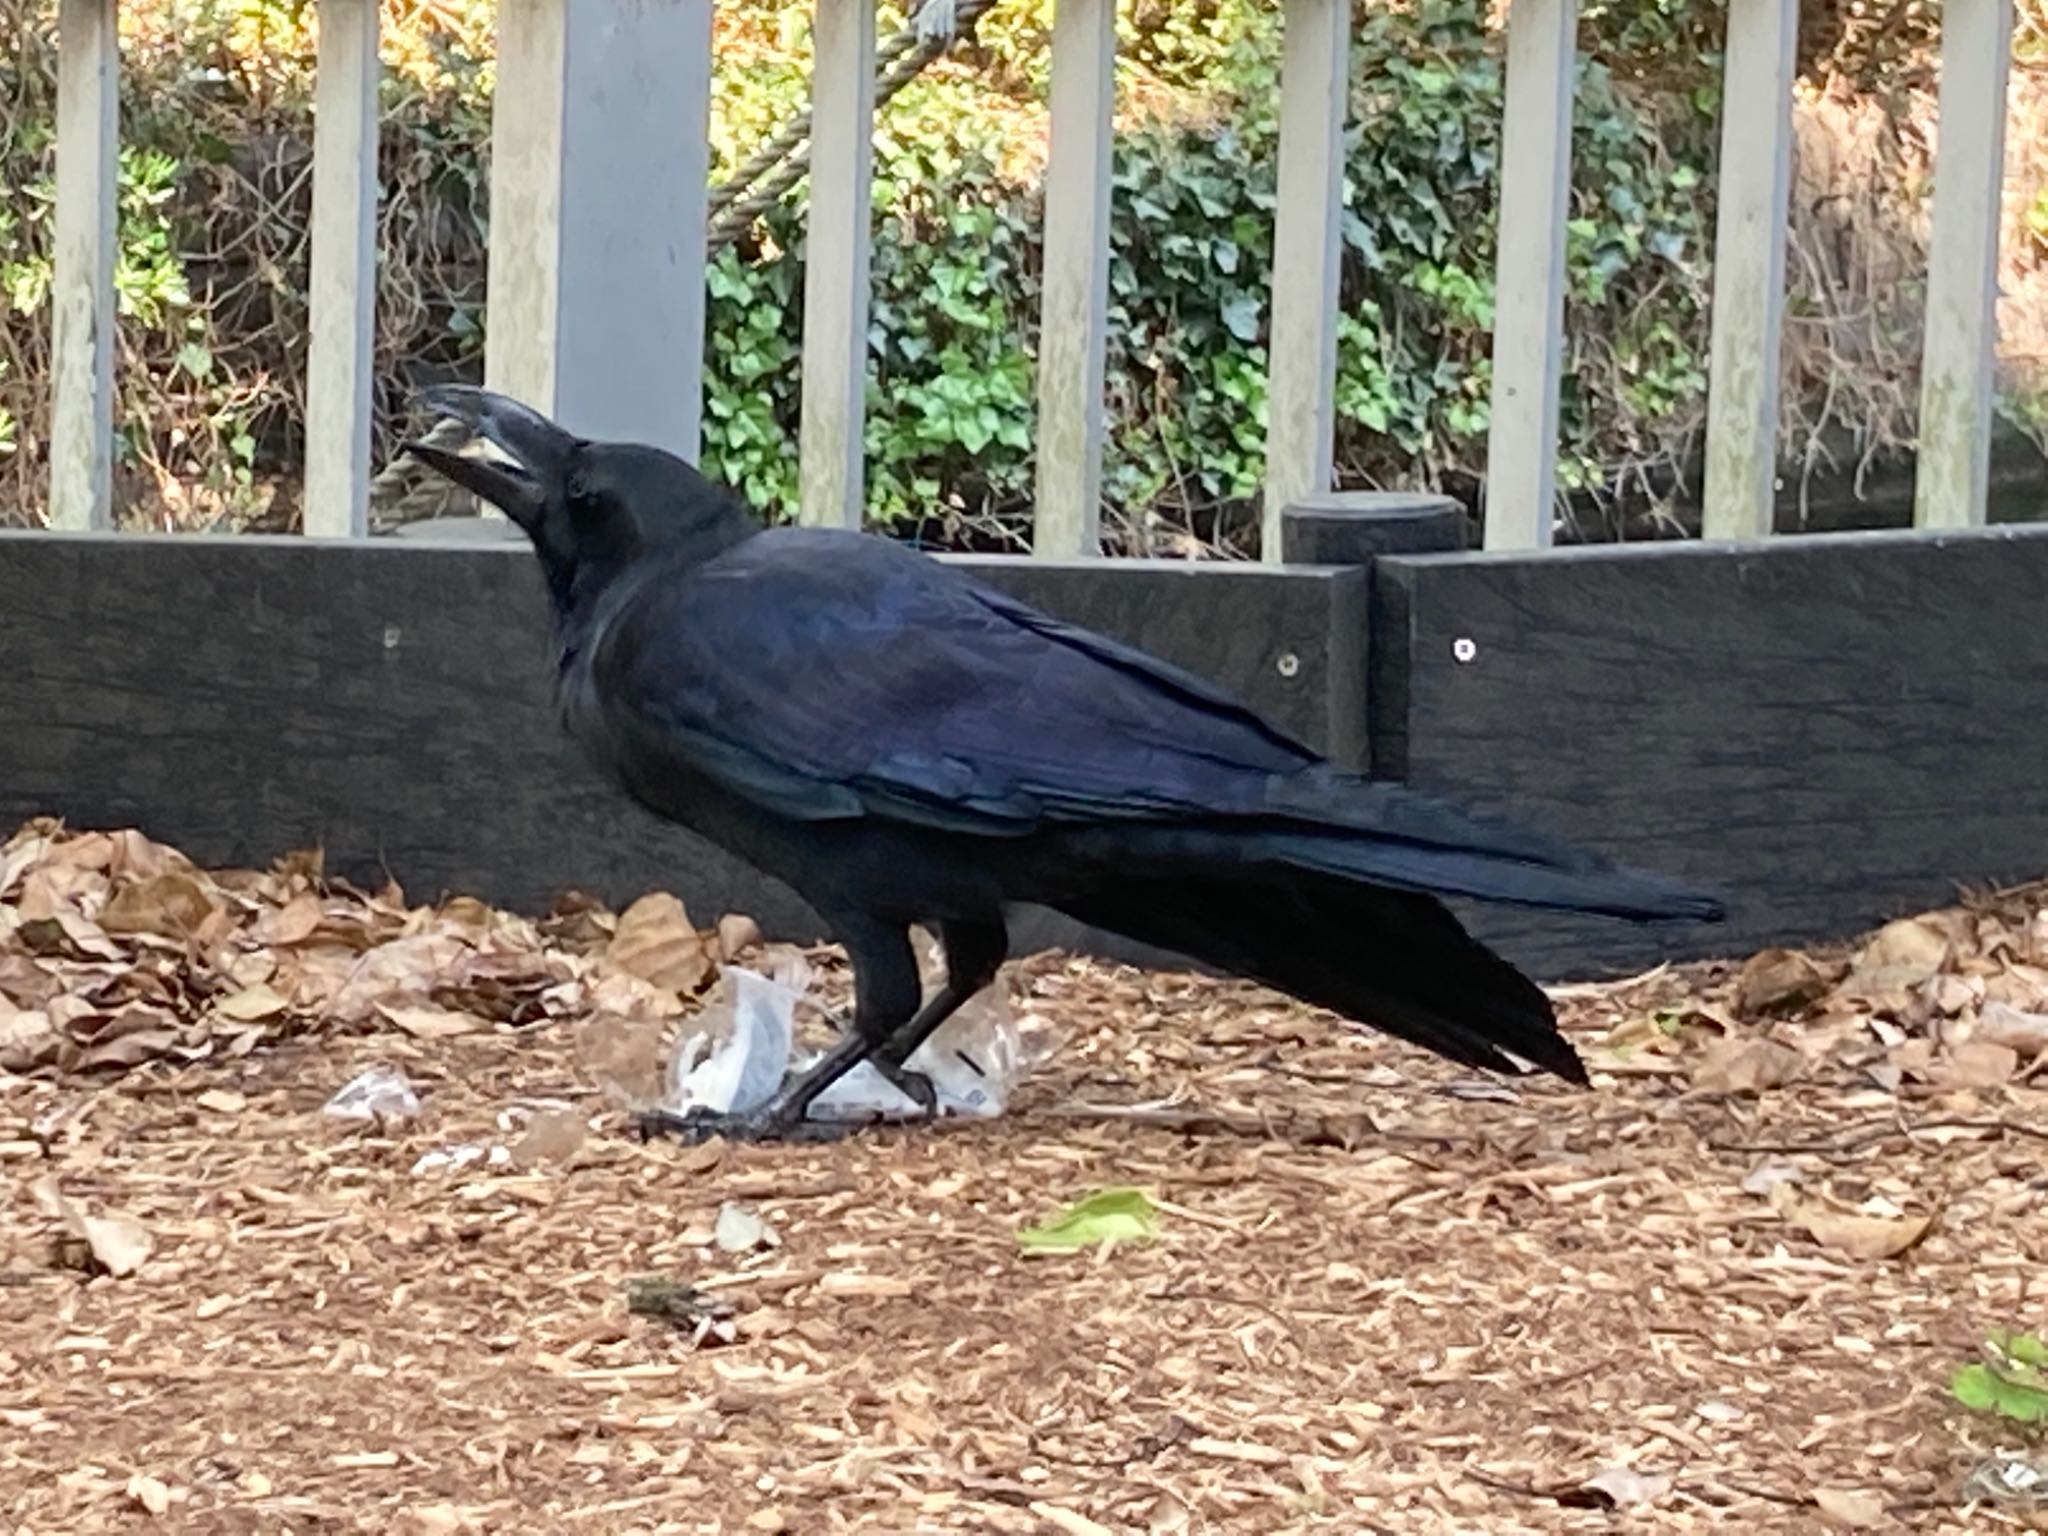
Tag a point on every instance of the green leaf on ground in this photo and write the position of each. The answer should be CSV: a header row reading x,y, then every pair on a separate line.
x,y
1109,1215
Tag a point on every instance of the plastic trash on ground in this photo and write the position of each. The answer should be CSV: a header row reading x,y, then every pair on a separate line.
x,y
971,1059
380,1093
462,1157
737,1055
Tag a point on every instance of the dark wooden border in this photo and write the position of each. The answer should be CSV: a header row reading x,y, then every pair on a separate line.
x,y
1827,730
389,700
1830,730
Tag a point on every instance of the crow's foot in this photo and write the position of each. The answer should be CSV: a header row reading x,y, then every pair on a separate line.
x,y
768,1123
914,1086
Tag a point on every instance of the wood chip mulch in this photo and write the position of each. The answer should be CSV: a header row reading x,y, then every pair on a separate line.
x,y
1725,1291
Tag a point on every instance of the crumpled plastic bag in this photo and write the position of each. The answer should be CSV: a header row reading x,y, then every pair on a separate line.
x,y
736,1057
382,1092
739,1054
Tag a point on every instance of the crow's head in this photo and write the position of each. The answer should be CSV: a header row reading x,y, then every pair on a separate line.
x,y
589,508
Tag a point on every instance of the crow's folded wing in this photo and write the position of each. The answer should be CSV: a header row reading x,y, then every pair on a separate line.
x,y
825,676
829,677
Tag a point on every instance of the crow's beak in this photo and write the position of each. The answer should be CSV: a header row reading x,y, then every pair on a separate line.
x,y
531,458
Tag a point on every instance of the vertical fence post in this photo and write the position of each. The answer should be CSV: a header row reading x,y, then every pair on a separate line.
x,y
838,235
1952,482
1749,269
343,283
1307,250
600,152
1073,333
82,279
1528,323
524,254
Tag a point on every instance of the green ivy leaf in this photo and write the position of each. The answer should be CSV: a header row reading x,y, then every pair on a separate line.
x,y
1241,316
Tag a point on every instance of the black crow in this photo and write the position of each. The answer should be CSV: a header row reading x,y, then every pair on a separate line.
x,y
902,745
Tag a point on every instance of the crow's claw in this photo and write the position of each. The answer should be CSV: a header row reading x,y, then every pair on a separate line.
x,y
767,1123
914,1086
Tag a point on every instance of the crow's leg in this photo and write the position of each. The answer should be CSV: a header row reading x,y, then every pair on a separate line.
x,y
974,953
886,990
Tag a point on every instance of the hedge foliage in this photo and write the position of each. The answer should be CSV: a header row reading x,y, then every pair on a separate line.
x,y
216,127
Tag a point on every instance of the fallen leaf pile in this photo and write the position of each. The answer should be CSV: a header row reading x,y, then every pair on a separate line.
x,y
1954,999
115,951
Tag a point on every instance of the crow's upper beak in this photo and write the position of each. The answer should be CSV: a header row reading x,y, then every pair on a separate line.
x,y
535,452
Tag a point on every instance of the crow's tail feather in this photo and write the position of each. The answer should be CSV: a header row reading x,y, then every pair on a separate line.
x,y
1395,960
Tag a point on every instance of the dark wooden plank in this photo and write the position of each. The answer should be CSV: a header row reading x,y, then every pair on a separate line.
x,y
1289,641
1831,730
389,700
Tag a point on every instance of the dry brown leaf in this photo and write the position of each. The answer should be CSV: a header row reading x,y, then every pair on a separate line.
x,y
425,1022
251,1005
578,921
132,856
119,1243
1903,955
27,1040
82,850
222,1101
736,931
1851,1508
1781,981
54,888
174,905
26,982
402,969
1914,1058
20,854
65,934
1733,1065
1979,1063
656,943
552,1136
464,912
623,993
622,1056
1855,1235
293,923
2003,1024
126,1050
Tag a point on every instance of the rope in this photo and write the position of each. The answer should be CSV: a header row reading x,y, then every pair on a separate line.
x,y
406,491
897,64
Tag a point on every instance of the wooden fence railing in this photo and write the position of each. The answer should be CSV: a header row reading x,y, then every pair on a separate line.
x,y
596,276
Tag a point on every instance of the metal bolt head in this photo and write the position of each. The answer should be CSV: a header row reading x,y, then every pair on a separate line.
x,y
1288,664
1464,650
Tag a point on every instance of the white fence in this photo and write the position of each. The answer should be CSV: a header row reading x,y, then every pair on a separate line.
x,y
597,235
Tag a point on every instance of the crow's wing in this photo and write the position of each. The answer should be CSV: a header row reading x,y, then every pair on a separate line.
x,y
826,676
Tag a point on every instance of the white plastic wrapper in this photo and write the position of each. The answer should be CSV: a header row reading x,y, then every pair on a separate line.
x,y
971,1060
381,1092
738,1056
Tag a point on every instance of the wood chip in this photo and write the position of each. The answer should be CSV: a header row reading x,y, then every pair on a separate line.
x,y
1372,1305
